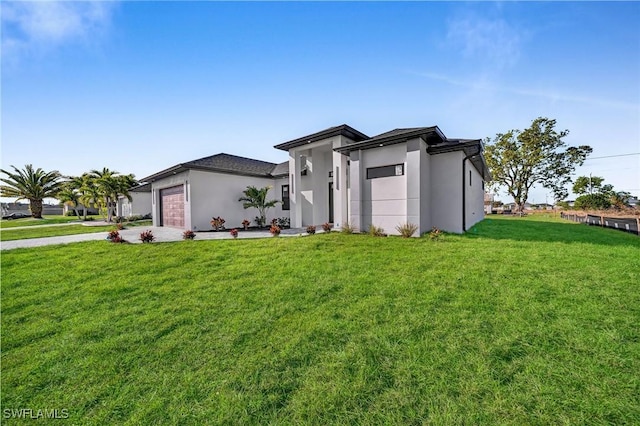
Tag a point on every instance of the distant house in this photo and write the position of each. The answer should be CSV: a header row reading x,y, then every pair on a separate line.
x,y
488,202
140,203
338,175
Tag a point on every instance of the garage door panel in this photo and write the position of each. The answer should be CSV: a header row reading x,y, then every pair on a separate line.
x,y
173,206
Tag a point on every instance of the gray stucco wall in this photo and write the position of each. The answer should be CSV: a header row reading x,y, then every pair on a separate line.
x,y
384,200
446,191
217,194
474,197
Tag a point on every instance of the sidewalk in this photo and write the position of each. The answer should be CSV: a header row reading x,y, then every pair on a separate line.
x,y
161,234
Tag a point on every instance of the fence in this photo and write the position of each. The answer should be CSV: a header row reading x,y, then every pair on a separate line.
x,y
621,223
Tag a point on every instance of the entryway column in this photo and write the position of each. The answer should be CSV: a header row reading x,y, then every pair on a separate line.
x,y
295,200
355,177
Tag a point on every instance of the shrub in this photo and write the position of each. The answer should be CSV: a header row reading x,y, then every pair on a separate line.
x,y
284,222
326,227
593,202
118,219
311,229
376,231
246,224
188,235
435,234
114,237
234,233
275,230
346,228
147,236
217,223
407,229
137,217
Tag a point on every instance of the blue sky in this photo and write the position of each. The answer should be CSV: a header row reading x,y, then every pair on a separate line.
x,y
141,86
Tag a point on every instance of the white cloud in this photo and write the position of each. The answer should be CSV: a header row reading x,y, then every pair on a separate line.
x,y
486,40
548,95
37,25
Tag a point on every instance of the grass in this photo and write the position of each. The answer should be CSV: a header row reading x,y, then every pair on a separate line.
x,y
48,220
56,231
522,321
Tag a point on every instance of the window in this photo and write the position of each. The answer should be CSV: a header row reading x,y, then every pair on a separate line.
x,y
285,197
385,171
469,177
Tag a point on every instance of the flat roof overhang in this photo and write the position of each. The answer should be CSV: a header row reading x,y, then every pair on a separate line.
x,y
431,135
342,130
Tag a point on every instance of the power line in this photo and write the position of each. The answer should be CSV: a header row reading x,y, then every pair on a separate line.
x,y
611,156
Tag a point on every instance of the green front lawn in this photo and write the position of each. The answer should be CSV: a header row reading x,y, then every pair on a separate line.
x,y
28,221
56,231
522,321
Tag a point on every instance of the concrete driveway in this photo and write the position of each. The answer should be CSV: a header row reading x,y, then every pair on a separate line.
x,y
132,235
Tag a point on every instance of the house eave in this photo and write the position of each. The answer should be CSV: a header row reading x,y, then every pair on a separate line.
x,y
431,136
342,130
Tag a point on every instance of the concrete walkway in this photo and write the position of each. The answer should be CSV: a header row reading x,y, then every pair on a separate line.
x,y
132,235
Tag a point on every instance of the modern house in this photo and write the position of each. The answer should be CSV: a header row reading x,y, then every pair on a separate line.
x,y
338,175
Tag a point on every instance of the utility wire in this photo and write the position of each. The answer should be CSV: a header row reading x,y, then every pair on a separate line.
x,y
611,156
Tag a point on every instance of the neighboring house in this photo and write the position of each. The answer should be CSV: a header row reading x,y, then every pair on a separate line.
x,y
80,208
338,175
140,203
488,202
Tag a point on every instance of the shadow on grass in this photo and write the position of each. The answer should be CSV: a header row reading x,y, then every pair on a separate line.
x,y
533,229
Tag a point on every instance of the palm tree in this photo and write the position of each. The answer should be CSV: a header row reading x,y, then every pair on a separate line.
x,y
111,184
70,197
86,190
257,198
33,185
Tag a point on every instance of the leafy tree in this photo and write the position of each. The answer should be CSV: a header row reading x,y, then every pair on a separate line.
x,y
257,198
518,160
620,199
33,185
587,184
563,205
593,202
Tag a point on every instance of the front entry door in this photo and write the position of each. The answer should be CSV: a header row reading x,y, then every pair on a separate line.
x,y
330,202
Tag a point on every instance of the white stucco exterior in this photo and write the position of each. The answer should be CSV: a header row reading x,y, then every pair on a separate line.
x,y
342,176
210,194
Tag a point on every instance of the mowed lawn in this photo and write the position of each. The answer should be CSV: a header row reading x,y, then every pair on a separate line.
x,y
46,220
522,321
56,231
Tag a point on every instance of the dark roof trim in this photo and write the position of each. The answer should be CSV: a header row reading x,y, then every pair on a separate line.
x,y
343,130
184,167
431,135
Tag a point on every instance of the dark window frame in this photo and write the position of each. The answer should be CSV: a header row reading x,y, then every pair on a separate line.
x,y
384,171
286,199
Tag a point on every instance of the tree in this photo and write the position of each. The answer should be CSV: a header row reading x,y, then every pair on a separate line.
x,y
587,184
33,185
109,185
86,189
593,202
620,200
518,160
69,196
257,198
